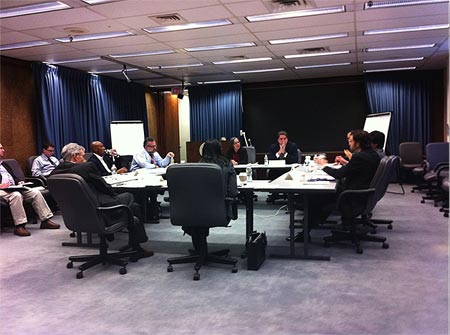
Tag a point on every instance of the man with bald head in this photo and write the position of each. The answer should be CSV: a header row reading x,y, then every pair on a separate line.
x,y
104,162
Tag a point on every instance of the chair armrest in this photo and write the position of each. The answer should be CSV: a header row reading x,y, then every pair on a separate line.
x,y
37,181
348,193
117,210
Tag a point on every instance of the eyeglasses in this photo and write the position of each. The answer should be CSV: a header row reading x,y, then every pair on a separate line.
x,y
53,150
150,146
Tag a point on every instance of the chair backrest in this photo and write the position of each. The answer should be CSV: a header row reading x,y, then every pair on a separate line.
x,y
380,181
436,152
15,167
411,153
197,195
299,156
79,205
251,154
29,164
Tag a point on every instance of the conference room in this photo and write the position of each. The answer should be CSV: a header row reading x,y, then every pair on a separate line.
x,y
184,72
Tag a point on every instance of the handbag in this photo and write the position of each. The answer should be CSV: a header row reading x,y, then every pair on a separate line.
x,y
256,250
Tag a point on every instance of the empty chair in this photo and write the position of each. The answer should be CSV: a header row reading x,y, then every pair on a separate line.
x,y
82,214
251,154
411,156
198,201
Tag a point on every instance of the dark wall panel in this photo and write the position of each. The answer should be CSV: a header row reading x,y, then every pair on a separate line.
x,y
317,114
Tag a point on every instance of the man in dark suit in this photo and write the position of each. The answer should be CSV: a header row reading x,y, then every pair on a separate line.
x,y
355,175
105,162
74,162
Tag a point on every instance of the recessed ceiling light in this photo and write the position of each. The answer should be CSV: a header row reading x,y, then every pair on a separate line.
x,y
260,71
320,65
90,37
142,53
405,29
247,60
316,54
393,60
308,38
22,45
387,4
294,14
403,47
33,9
392,69
222,46
96,2
79,60
113,71
159,67
193,25
218,82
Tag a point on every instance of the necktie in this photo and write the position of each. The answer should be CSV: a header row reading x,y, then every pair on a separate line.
x,y
152,159
52,162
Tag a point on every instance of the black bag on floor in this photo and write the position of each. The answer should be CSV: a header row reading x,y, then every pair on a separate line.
x,y
256,250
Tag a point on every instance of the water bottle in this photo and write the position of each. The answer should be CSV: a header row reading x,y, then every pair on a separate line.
x,y
248,171
266,160
113,169
172,160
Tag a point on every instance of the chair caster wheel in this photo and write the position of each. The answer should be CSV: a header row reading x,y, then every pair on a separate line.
x,y
234,270
422,201
197,276
359,250
389,226
133,259
123,271
69,265
72,234
80,275
170,268
385,245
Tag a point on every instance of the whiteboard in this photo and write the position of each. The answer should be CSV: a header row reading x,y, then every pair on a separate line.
x,y
127,136
378,122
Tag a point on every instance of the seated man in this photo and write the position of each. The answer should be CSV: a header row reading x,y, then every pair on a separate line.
x,y
149,158
377,139
103,161
74,162
15,199
44,164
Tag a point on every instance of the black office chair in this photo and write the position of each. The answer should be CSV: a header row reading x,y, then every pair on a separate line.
x,y
251,154
198,201
411,157
82,214
351,205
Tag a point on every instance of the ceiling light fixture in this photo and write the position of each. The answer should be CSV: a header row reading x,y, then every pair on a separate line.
x,y
317,54
193,25
392,69
247,60
405,29
142,53
220,47
33,9
79,60
218,81
96,2
181,94
320,65
388,4
90,37
393,60
160,67
112,71
308,38
260,71
22,45
125,74
418,46
294,14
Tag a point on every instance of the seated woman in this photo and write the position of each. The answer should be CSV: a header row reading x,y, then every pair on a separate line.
x,y
235,153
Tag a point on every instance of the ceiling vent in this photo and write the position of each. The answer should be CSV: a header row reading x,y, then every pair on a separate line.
x,y
235,57
168,19
76,30
276,6
313,50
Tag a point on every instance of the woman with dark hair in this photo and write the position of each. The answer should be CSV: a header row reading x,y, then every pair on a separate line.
x,y
236,154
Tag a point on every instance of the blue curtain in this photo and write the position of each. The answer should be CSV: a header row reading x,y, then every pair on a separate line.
x,y
215,111
408,96
74,106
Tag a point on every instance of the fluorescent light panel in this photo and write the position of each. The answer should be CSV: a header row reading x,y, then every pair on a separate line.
x,y
79,60
33,9
320,65
220,47
96,2
247,60
418,46
316,54
170,85
308,38
393,60
193,25
142,53
90,37
173,66
218,82
405,29
392,69
22,45
260,71
294,14
113,71
388,4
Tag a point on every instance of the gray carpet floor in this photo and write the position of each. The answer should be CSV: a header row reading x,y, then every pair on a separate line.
x,y
400,290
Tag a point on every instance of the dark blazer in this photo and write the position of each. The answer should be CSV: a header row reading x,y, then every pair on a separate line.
x,y
108,160
16,179
291,149
242,153
104,192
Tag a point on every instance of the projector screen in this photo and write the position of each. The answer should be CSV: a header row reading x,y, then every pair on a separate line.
x,y
378,122
127,136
